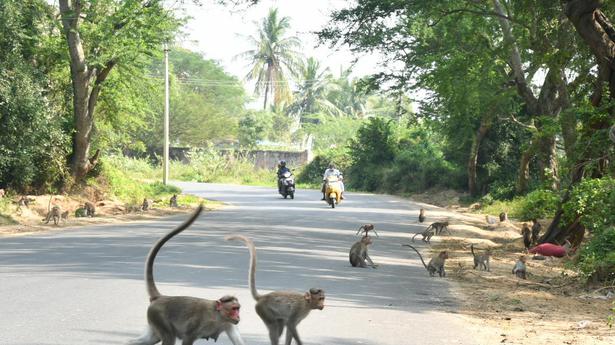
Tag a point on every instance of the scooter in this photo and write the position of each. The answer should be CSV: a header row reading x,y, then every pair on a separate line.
x,y
287,185
333,191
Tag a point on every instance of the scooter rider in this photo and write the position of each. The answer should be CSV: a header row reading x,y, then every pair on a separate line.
x,y
332,171
281,170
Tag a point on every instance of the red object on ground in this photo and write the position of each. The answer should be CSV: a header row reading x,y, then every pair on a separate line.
x,y
549,249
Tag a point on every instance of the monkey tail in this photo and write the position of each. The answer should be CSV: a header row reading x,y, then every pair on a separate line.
x,y
252,270
149,263
49,204
420,256
472,249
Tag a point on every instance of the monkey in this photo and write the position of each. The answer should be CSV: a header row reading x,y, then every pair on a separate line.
x,y
422,215
612,133
436,264
64,216
427,234
366,228
90,209
481,261
527,236
358,253
536,227
440,227
24,201
280,309
173,201
55,213
503,217
147,205
184,317
520,269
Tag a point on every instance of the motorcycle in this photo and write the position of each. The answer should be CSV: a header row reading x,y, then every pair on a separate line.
x,y
287,185
333,191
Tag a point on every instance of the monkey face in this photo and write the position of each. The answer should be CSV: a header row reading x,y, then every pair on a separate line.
x,y
229,308
315,298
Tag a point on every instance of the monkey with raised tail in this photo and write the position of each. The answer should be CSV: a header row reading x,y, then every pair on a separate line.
x,y
183,317
280,309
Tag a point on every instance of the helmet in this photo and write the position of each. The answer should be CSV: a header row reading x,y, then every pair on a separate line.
x,y
282,163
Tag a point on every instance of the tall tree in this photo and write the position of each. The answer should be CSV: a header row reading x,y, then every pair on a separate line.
x,y
598,32
314,83
273,58
100,36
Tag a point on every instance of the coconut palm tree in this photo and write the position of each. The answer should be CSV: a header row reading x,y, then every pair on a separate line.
x,y
273,58
314,84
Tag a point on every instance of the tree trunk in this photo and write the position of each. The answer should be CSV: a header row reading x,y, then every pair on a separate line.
x,y
485,124
87,83
599,34
523,176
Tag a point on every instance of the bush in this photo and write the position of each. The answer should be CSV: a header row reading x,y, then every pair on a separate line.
x,y
594,201
128,188
539,204
312,173
33,147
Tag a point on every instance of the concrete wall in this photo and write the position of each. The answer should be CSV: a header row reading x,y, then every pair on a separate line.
x,y
262,159
270,159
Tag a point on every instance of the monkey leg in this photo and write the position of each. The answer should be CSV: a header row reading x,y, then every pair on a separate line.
x,y
291,332
275,331
188,341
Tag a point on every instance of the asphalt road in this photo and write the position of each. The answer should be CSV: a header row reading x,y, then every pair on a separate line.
x,y
85,285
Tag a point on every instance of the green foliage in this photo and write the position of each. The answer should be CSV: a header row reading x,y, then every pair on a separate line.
x,y
597,258
127,187
539,204
328,131
251,130
594,201
210,165
33,146
312,173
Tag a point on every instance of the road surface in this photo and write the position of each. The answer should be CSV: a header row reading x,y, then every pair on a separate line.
x,y
85,285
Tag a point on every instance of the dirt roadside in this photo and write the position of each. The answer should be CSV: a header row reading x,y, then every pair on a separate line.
x,y
552,306
29,220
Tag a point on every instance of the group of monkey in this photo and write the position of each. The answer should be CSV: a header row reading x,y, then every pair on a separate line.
x,y
481,261
191,318
55,212
88,209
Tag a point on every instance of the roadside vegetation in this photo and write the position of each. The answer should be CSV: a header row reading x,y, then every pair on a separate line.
x,y
516,114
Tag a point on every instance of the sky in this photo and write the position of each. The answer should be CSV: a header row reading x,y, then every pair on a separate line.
x,y
218,32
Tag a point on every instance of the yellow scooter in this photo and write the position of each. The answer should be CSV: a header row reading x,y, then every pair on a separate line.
x,y
333,191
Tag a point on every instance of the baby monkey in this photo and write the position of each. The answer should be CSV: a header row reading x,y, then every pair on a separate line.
x,y
520,269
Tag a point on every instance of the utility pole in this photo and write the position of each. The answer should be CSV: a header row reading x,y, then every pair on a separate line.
x,y
165,149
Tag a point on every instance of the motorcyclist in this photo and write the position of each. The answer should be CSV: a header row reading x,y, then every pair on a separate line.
x,y
282,169
332,171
